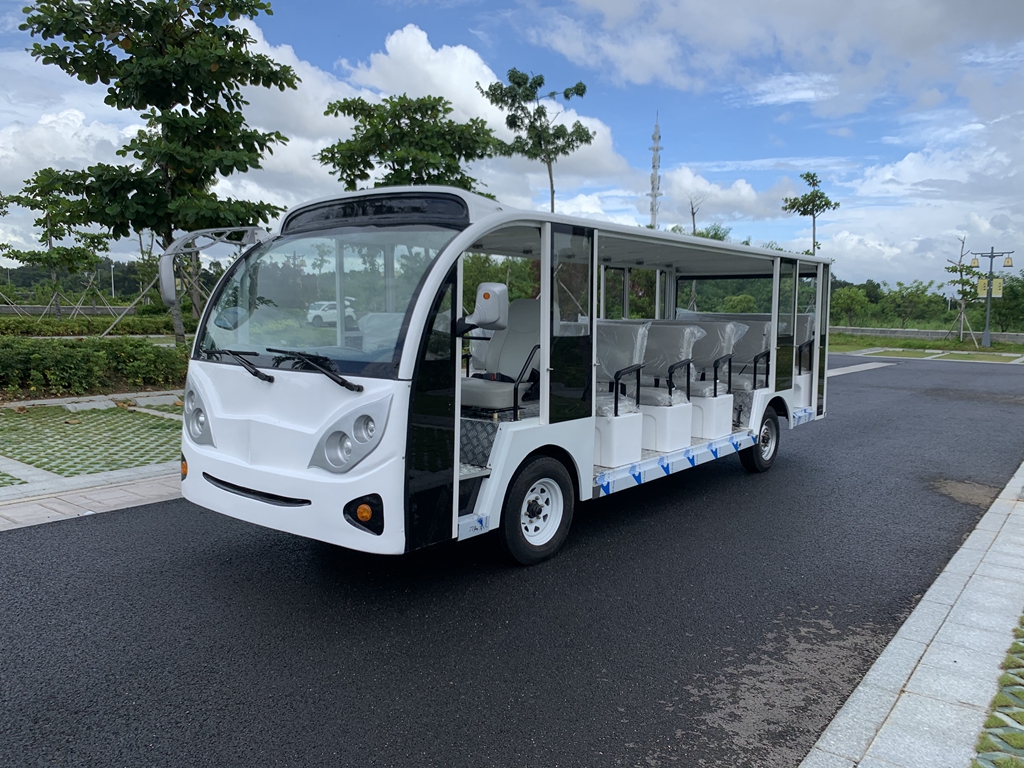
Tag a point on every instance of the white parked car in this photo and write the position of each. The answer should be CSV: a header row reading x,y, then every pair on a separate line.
x,y
326,313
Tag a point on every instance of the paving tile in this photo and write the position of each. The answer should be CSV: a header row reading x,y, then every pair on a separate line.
x,y
979,540
58,504
955,687
1001,572
947,588
1001,506
992,521
893,668
819,759
977,638
1010,544
1004,559
964,561
91,405
988,603
870,762
924,622
922,731
8,525
856,724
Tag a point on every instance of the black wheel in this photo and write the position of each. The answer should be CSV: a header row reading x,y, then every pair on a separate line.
x,y
761,456
318,322
538,510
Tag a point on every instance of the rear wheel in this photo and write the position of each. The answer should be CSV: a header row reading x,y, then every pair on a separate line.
x,y
538,510
318,321
761,456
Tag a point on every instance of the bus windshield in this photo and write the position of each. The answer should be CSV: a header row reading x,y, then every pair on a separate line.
x,y
340,294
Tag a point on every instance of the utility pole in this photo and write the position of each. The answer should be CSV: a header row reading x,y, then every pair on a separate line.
x,y
986,337
655,192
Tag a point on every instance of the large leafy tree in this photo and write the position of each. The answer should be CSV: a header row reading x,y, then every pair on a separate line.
x,y
182,64
539,135
849,302
65,247
411,141
906,301
813,204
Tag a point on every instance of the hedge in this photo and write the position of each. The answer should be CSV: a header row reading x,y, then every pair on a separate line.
x,y
19,325
57,367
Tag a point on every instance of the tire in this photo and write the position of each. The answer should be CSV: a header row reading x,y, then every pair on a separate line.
x,y
318,322
538,510
760,457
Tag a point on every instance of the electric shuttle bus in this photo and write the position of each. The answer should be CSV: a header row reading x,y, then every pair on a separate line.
x,y
493,368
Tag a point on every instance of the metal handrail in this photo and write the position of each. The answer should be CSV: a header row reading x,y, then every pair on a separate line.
x,y
671,371
767,357
717,363
625,372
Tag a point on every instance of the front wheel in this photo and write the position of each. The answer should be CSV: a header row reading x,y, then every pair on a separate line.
x,y
318,322
761,456
538,510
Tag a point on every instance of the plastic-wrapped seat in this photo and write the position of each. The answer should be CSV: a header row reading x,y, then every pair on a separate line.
x,y
620,349
507,354
712,357
666,366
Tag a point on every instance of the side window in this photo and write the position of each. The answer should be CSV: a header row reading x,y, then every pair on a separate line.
x,y
571,324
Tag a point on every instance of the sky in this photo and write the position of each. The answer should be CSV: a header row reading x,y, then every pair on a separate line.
x,y
911,113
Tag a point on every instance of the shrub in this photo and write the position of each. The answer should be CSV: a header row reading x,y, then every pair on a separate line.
x,y
133,325
41,367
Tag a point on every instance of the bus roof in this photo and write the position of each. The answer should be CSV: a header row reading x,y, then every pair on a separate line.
x,y
619,245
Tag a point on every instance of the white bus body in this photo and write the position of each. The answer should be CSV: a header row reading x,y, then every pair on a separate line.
x,y
403,425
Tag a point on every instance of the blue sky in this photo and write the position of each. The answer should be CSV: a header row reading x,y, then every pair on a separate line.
x,y
912,113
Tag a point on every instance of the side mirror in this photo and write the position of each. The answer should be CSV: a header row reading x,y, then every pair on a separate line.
x,y
491,312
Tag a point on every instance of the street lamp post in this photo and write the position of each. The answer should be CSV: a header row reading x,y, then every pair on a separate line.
x,y
986,337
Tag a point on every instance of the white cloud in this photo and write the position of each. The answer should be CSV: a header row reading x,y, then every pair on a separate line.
x,y
791,89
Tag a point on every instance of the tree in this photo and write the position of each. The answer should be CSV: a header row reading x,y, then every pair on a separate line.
x,y
696,201
411,140
850,302
1008,312
540,137
964,282
183,67
711,232
742,303
66,249
813,204
905,301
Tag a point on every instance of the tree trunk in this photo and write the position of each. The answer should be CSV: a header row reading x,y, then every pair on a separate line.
x,y
551,182
693,220
193,285
814,235
179,326
56,294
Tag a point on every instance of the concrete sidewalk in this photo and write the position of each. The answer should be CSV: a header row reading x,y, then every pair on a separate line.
x,y
102,492
924,701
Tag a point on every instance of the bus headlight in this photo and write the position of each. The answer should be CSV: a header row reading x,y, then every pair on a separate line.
x,y
197,420
352,438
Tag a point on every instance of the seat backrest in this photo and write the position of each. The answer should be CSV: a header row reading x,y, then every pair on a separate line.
x,y
508,349
619,345
668,343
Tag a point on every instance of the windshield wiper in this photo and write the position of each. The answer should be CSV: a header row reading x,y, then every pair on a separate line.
x,y
312,360
238,354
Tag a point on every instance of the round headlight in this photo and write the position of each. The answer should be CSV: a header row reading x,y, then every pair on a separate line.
x,y
190,400
338,449
196,423
364,429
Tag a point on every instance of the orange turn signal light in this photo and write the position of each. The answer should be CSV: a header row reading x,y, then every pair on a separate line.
x,y
184,468
487,296
364,513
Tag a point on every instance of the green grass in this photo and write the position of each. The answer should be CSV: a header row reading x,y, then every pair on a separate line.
x,y
6,480
83,443
978,357
166,408
950,344
901,353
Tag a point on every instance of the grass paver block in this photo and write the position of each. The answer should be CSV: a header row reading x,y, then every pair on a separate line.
x,y
1001,743
6,480
71,444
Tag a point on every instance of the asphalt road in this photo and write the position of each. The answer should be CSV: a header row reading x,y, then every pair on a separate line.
x,y
709,619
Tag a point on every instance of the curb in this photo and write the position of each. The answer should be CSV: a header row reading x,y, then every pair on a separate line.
x,y
113,397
